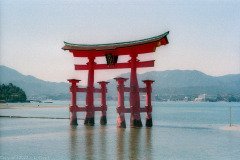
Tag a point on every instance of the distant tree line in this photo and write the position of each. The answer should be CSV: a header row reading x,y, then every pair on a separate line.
x,y
217,98
12,93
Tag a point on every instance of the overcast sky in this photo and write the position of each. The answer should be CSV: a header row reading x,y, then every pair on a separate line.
x,y
204,34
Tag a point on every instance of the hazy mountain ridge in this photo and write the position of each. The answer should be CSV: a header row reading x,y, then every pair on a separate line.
x,y
31,85
188,82
170,82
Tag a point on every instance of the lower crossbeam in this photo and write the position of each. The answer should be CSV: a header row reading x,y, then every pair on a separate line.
x,y
129,110
84,109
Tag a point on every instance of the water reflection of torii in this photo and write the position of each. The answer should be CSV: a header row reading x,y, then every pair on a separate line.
x,y
111,52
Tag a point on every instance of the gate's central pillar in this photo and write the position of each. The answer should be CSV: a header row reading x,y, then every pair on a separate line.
x,y
89,117
135,120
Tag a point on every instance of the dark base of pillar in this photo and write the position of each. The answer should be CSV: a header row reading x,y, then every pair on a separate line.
x,y
122,124
136,123
89,121
74,122
103,120
149,122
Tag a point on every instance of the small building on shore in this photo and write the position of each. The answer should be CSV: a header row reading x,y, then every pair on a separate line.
x,y
201,98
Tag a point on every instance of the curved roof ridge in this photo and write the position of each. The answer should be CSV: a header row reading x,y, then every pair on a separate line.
x,y
120,43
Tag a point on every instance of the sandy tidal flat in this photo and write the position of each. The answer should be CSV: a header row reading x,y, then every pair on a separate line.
x,y
232,128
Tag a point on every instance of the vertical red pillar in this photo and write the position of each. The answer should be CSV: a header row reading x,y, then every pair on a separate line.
x,y
73,90
89,116
148,102
135,120
121,108
103,119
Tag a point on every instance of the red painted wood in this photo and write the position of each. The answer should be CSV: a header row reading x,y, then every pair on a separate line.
x,y
127,110
78,109
103,107
135,120
83,109
97,90
127,89
81,67
81,89
145,64
121,108
73,90
116,66
142,89
89,116
142,109
97,109
137,49
148,101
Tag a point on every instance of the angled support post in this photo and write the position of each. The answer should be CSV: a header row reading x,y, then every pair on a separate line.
x,y
73,90
121,108
103,119
148,102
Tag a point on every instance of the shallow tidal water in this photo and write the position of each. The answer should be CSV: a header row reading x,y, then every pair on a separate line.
x,y
180,131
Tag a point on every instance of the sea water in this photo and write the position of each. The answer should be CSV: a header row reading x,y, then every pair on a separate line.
x,y
180,131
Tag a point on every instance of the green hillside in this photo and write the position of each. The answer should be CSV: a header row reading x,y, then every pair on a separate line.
x,y
12,93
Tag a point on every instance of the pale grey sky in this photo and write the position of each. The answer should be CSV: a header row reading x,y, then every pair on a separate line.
x,y
204,34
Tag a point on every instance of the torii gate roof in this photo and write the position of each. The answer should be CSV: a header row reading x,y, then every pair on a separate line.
x,y
124,48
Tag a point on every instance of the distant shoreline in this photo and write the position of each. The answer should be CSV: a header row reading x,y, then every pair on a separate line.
x,y
20,107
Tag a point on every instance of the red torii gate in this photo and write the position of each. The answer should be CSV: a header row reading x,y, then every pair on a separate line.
x,y
112,51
